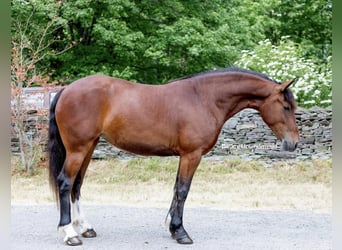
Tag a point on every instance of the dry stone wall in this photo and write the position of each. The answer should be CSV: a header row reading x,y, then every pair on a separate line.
x,y
245,135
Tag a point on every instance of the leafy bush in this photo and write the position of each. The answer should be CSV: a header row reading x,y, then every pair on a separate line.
x,y
286,61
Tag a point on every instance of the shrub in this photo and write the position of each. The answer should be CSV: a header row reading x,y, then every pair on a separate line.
x,y
286,61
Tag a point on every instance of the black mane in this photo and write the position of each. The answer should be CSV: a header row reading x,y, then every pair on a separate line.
x,y
224,70
287,93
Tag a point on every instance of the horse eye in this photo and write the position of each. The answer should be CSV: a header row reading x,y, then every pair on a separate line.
x,y
287,108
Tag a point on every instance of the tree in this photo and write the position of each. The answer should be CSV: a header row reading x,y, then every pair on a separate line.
x,y
153,41
308,23
32,38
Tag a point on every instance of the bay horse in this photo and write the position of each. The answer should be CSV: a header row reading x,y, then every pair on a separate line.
x,y
181,118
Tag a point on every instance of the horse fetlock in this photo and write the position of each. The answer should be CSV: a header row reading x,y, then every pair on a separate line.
x,y
69,235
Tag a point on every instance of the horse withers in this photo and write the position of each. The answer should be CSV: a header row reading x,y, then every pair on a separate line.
x,y
182,118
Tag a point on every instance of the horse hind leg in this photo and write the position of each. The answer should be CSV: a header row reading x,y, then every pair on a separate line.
x,y
78,218
69,185
79,221
65,182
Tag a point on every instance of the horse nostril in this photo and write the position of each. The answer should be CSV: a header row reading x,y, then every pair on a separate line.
x,y
296,144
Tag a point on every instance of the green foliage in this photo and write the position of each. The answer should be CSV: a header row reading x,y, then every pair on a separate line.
x,y
308,23
284,62
36,28
153,41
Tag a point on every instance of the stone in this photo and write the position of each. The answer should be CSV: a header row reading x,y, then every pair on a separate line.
x,y
308,140
307,151
282,154
231,123
245,130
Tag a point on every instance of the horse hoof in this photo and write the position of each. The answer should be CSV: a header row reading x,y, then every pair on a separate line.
x,y
186,240
73,241
90,233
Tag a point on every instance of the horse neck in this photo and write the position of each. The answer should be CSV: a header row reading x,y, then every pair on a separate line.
x,y
232,92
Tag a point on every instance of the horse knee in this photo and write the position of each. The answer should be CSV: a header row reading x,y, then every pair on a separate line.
x,y
182,193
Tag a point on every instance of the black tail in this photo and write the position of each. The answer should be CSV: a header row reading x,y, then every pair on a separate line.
x,y
56,149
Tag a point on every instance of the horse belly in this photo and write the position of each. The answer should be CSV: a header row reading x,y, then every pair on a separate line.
x,y
143,148
138,141
146,149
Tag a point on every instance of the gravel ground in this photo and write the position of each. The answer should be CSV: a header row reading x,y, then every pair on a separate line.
x,y
124,227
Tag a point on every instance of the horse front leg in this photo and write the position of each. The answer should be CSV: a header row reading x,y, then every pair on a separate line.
x,y
187,167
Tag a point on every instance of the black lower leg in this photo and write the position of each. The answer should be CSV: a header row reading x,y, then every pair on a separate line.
x,y
64,185
187,167
176,212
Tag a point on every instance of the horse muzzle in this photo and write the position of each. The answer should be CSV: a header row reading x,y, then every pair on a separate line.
x,y
288,145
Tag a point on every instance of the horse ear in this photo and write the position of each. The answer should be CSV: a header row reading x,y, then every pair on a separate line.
x,y
286,84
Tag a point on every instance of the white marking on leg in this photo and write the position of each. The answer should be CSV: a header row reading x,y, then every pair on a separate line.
x,y
75,215
78,218
67,231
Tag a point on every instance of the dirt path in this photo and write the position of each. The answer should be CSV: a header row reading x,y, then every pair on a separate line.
x,y
119,227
